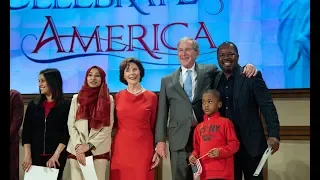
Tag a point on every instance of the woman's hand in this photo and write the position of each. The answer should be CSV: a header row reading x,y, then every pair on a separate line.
x,y
82,148
27,162
81,158
53,160
155,160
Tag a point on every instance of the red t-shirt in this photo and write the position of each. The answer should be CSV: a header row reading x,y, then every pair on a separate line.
x,y
47,106
216,132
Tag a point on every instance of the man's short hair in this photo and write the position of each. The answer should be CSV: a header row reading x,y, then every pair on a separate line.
x,y
194,42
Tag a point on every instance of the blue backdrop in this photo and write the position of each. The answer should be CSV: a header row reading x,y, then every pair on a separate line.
x,y
73,35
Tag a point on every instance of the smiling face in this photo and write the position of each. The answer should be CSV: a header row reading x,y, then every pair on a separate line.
x,y
94,78
43,85
187,53
227,58
132,74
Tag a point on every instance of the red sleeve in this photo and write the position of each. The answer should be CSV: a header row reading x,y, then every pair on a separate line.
x,y
154,112
196,142
17,114
115,119
232,141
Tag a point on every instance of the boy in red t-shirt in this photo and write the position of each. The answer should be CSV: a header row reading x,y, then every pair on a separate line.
x,y
215,139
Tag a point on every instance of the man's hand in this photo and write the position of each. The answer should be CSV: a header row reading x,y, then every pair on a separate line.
x,y
274,143
249,70
161,149
214,153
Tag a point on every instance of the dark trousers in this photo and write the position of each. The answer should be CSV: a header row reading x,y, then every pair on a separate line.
x,y
244,163
42,161
179,161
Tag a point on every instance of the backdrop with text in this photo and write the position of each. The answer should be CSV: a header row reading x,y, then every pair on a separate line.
x,y
73,35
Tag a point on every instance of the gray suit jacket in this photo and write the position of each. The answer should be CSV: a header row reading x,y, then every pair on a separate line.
x,y
174,99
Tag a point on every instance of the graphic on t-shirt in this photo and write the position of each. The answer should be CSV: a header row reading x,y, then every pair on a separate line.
x,y
207,132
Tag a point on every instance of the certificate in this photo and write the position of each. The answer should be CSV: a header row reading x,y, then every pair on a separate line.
x,y
262,161
88,171
39,172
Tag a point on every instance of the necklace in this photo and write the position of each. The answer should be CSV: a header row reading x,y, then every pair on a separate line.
x,y
137,91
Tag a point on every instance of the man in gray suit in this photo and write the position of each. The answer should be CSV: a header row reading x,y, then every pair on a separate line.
x,y
180,94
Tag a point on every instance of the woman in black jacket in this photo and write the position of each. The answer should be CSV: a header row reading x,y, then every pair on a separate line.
x,y
45,130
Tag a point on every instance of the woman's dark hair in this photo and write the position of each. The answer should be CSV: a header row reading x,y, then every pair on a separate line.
x,y
54,81
125,64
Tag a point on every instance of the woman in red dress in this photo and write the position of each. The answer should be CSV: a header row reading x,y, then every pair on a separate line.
x,y
133,156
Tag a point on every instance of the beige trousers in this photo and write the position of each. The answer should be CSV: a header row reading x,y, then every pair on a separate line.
x,y
100,166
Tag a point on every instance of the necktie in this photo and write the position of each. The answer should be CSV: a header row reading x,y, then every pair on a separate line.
x,y
188,85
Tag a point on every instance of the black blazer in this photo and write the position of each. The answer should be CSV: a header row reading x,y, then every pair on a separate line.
x,y
45,136
249,96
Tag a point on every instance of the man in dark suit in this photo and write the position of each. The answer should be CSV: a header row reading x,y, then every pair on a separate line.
x,y
243,99
180,94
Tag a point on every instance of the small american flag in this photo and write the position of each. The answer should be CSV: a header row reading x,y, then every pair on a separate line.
x,y
196,169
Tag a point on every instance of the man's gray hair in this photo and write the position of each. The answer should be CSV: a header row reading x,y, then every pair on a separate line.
x,y
194,42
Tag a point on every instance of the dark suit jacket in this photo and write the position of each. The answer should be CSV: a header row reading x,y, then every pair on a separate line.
x,y
249,96
174,99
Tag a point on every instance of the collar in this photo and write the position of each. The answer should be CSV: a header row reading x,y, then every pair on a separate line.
x,y
212,116
184,70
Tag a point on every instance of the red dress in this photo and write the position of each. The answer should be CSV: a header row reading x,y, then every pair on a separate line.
x,y
133,146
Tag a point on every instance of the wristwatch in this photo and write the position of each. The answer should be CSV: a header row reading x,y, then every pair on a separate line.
x,y
90,145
